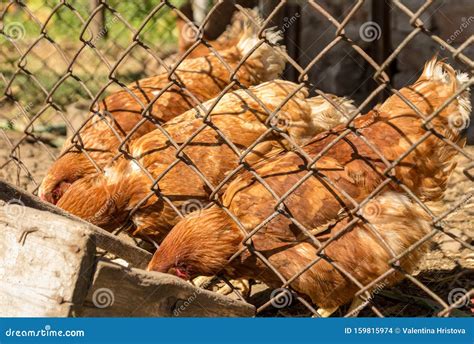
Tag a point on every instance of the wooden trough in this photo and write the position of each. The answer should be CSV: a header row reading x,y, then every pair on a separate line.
x,y
50,266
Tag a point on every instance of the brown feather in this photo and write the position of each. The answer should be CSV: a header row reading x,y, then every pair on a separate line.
x,y
196,80
355,170
237,116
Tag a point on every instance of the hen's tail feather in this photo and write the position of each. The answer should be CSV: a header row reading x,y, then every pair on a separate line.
x,y
239,21
267,55
326,116
440,71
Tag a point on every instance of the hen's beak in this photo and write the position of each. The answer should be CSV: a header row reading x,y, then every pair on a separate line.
x,y
46,196
181,274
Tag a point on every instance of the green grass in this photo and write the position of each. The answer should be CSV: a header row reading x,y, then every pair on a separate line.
x,y
44,66
68,20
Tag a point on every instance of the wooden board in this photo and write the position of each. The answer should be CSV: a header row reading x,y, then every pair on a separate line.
x,y
49,267
46,263
135,256
122,292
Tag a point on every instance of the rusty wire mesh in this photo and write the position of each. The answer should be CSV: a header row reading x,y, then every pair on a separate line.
x,y
90,63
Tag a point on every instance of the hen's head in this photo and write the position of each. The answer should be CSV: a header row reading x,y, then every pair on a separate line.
x,y
199,245
93,199
69,168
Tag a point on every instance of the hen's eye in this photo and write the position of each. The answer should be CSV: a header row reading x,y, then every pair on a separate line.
x,y
56,193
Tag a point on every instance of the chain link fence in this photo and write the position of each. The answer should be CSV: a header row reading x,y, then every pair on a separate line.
x,y
61,58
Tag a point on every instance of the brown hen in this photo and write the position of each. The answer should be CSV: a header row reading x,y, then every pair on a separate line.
x,y
322,195
123,113
213,145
